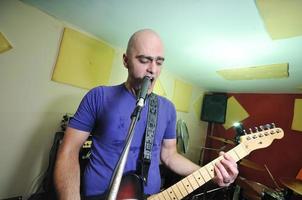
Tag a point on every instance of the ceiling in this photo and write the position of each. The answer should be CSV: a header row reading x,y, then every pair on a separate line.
x,y
200,37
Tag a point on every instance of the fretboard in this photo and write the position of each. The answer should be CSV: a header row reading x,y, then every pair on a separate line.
x,y
198,178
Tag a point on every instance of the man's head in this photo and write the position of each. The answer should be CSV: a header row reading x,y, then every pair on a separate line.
x,y
144,57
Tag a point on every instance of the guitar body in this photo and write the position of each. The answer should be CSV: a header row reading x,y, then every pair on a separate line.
x,y
131,187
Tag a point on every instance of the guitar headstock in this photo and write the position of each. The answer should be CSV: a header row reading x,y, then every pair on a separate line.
x,y
261,137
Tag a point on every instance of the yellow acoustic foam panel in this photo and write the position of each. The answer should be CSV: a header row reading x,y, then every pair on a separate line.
x,y
158,88
234,113
182,95
282,18
4,44
83,61
274,71
297,118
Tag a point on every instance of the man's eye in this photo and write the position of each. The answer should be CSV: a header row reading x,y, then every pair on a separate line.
x,y
160,62
144,60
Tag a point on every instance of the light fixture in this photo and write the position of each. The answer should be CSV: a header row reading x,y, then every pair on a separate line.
x,y
239,130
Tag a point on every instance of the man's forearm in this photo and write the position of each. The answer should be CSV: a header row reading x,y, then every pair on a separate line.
x,y
181,165
67,177
175,161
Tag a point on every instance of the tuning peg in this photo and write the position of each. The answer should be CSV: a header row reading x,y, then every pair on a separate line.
x,y
256,129
251,131
268,126
273,125
244,131
261,127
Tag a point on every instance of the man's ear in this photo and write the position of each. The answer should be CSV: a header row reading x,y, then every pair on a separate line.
x,y
125,60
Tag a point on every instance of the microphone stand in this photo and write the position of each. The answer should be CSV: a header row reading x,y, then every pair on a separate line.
x,y
117,176
118,172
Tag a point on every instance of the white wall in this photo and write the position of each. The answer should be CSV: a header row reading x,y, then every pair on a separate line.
x,y
32,105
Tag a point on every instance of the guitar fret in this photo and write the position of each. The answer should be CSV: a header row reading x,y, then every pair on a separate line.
x,y
177,191
171,193
198,178
187,185
166,195
213,166
154,197
240,151
161,196
181,188
193,182
204,174
234,155
210,171
238,157
199,171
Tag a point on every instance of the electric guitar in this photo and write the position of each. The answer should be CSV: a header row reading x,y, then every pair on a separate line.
x,y
248,143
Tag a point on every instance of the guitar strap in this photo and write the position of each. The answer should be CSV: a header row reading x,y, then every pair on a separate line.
x,y
149,136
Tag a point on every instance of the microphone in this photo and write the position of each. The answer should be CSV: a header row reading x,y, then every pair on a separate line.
x,y
143,91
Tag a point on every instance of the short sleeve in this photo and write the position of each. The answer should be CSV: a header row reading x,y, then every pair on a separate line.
x,y
170,132
87,112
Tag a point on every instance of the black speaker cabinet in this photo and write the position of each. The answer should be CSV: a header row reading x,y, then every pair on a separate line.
x,y
214,108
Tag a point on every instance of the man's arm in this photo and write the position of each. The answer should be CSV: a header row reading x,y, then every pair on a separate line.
x,y
67,168
175,161
225,171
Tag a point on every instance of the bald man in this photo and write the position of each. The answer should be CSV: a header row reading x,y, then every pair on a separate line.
x,y
106,111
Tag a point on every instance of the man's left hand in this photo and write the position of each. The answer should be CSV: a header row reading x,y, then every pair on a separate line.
x,y
226,170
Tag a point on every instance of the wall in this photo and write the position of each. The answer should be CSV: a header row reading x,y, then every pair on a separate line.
x,y
32,106
283,157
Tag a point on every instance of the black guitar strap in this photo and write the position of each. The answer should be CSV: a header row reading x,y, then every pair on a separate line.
x,y
149,135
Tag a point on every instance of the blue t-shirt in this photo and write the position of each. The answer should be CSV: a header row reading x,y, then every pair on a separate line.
x,y
106,112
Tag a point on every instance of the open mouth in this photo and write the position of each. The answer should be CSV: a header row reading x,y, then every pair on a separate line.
x,y
141,81
152,80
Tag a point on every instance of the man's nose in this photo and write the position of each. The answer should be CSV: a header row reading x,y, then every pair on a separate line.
x,y
152,67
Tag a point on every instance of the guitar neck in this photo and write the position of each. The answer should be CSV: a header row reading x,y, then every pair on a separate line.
x,y
198,178
248,142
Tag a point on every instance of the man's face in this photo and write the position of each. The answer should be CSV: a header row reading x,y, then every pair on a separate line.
x,y
144,59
